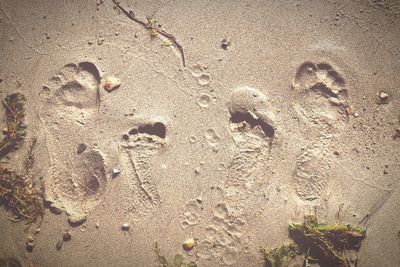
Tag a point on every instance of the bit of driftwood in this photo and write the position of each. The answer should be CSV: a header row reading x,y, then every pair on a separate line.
x,y
151,27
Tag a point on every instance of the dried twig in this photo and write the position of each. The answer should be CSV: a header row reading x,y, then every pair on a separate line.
x,y
152,29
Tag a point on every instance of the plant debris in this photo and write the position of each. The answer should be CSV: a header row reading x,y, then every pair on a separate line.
x,y
324,244
18,194
15,130
177,262
153,27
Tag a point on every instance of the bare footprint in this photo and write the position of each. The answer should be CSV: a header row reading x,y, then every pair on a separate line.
x,y
321,107
252,130
252,127
74,181
139,145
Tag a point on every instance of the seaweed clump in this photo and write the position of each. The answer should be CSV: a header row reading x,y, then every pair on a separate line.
x,y
15,130
17,190
178,260
324,244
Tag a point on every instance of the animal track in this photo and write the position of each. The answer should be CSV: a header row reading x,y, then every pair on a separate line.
x,y
198,71
222,237
74,181
322,109
139,146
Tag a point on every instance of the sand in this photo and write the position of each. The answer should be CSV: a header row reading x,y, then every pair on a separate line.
x,y
275,115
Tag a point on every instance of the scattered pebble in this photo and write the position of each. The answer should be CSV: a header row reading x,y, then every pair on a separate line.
x,y
188,244
81,148
97,225
111,83
383,95
125,227
356,115
67,236
225,44
29,246
116,172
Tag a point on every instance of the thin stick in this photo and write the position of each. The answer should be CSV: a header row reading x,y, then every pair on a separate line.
x,y
169,36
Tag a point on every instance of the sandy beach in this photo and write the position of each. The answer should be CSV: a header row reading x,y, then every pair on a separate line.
x,y
223,122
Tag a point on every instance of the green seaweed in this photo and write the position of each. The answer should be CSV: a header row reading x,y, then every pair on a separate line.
x,y
322,243
178,260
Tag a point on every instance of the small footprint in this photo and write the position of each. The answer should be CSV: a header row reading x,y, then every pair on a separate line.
x,y
139,146
322,105
73,182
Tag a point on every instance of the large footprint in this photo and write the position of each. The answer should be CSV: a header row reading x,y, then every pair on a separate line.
x,y
252,130
139,145
321,108
74,181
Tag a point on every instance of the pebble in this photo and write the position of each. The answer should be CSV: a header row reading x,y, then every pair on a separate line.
x,y
29,246
356,115
115,172
111,83
67,236
188,244
125,227
383,95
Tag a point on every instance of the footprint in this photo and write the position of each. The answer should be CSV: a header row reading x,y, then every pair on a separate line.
x,y
139,146
253,130
73,182
321,107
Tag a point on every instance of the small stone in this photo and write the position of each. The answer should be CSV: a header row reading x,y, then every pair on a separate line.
x,y
90,42
188,244
115,172
125,227
29,246
383,95
67,236
225,44
111,83
197,170
81,148
97,225
356,115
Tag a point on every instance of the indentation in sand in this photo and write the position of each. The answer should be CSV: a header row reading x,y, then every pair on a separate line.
x,y
74,182
139,146
321,107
